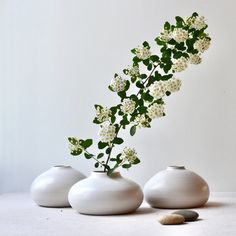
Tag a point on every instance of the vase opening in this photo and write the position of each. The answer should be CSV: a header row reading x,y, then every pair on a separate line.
x,y
175,168
102,173
61,166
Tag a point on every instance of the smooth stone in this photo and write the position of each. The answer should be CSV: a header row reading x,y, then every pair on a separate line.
x,y
187,214
173,219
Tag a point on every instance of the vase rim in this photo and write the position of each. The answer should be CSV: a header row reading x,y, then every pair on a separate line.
x,y
180,167
61,166
102,173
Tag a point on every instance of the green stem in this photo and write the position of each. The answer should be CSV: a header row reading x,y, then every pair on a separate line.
x,y
112,144
94,157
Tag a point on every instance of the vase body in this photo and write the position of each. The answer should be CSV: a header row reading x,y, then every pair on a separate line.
x,y
100,194
51,188
176,187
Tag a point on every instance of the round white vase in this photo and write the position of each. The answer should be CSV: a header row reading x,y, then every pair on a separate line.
x,y
51,188
100,194
176,187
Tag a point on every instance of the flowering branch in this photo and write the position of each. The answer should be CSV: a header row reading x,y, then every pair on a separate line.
x,y
180,44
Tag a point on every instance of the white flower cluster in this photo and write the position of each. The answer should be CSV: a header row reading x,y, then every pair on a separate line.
x,y
118,84
173,85
133,71
76,146
103,113
202,44
165,36
142,53
129,154
107,132
155,111
180,35
197,22
158,89
180,64
141,121
195,59
128,106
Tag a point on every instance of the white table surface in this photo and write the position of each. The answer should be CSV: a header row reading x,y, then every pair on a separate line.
x,y
20,216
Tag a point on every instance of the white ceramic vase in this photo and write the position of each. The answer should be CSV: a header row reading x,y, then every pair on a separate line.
x,y
51,188
176,187
100,194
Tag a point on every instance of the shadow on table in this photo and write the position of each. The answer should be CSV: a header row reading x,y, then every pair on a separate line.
x,y
144,211
213,204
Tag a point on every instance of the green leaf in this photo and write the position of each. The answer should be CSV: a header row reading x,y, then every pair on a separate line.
x,y
126,166
136,60
154,58
127,85
118,140
133,50
76,152
96,121
113,119
102,145
108,150
87,143
100,155
110,88
167,26
194,14
149,67
179,21
143,76
96,165
159,42
168,93
88,156
139,84
136,161
122,94
146,44
124,121
133,130
73,140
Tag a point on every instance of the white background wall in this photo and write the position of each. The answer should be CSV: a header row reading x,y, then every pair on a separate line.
x,y
57,58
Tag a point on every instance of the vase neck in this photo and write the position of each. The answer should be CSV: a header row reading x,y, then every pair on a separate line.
x,y
61,167
176,168
100,174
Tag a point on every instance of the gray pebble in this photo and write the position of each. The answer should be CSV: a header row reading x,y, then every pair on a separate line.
x,y
172,219
187,214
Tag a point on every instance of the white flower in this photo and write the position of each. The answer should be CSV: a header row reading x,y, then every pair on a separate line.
x,y
157,89
129,154
133,71
165,36
107,132
141,121
180,64
128,106
173,85
76,145
195,59
180,35
118,84
103,113
155,111
202,44
142,53
197,23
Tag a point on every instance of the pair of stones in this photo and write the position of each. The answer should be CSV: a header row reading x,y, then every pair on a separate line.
x,y
178,217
